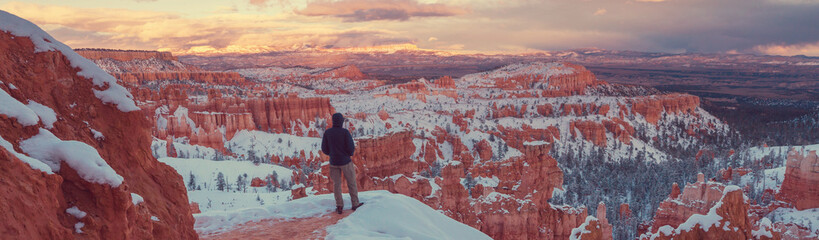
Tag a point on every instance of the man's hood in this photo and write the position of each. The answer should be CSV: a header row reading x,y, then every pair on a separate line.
x,y
338,120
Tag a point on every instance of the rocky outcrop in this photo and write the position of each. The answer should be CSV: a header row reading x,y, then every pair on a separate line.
x,y
445,82
590,130
34,204
218,119
349,71
726,219
124,55
222,78
696,198
134,66
801,184
379,159
652,107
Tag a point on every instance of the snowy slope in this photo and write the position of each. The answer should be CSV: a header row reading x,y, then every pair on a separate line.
x,y
385,216
205,171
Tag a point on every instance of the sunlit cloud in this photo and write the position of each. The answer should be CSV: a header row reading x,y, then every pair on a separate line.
x,y
372,10
221,33
807,49
214,26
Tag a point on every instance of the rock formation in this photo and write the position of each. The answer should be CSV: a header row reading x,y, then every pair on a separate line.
x,y
652,107
801,184
132,66
124,55
66,204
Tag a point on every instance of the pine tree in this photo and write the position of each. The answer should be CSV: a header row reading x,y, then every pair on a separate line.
x,y
192,182
220,182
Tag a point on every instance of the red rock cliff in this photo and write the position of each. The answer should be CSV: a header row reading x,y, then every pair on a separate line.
x,y
37,202
801,184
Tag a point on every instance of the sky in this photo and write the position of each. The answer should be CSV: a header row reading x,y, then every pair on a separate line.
x,y
776,27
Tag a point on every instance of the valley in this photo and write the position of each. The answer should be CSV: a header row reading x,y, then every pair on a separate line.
x,y
132,144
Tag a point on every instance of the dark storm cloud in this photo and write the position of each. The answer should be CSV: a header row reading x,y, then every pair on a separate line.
x,y
682,25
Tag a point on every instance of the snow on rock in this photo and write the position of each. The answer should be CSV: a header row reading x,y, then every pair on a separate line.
x,y
80,156
15,109
726,219
577,233
764,230
45,113
97,134
136,199
76,212
78,227
34,163
808,218
113,94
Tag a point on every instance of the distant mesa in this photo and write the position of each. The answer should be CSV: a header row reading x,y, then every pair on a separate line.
x,y
135,66
123,55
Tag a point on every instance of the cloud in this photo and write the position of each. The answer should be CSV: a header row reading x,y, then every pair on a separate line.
x,y
373,10
232,32
747,26
259,3
807,49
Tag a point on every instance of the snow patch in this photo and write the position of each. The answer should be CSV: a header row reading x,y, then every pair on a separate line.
x,y
15,109
76,212
97,134
395,216
33,163
45,113
80,156
136,199
78,227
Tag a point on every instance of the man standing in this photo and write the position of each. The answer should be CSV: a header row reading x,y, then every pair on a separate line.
x,y
338,143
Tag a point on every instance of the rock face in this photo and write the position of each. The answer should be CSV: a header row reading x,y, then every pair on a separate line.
x,y
38,202
124,55
711,210
801,184
652,107
210,123
726,219
557,79
132,66
696,198
349,71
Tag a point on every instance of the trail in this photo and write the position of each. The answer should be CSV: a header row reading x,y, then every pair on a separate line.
x,y
300,228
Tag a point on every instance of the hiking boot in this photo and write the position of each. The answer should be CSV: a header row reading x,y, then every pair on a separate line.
x,y
357,206
338,209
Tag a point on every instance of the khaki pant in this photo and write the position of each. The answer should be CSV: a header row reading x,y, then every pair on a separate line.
x,y
349,176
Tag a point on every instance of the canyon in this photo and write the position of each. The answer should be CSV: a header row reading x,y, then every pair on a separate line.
x,y
180,149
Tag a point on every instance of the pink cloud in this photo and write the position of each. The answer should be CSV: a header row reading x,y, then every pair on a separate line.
x,y
372,10
807,49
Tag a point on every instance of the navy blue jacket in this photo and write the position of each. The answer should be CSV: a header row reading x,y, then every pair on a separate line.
x,y
338,143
